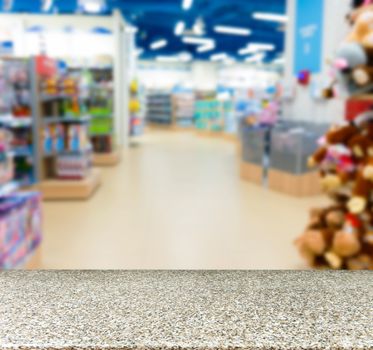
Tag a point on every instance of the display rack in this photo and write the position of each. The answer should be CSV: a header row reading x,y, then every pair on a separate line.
x,y
20,213
100,107
137,110
64,152
159,108
209,119
183,108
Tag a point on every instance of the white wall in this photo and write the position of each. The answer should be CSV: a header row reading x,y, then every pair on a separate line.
x,y
204,75
304,107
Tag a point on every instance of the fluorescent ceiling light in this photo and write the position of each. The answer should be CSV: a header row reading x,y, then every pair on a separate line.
x,y
187,4
197,41
158,44
247,50
273,17
218,57
47,5
255,58
92,6
262,46
179,28
232,30
206,47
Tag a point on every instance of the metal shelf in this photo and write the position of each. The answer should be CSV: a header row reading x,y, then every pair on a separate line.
x,y
9,120
70,120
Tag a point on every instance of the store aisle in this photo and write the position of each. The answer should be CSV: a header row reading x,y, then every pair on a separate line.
x,y
176,202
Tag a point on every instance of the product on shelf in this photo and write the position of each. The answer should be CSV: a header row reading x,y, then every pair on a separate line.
x,y
20,228
65,129
159,107
208,113
136,109
183,107
74,166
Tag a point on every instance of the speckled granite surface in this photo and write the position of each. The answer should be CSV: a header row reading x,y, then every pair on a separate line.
x,y
186,310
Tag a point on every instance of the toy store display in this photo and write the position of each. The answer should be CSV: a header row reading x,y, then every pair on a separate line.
x,y
291,144
255,140
340,236
100,105
208,112
183,107
15,114
159,107
20,228
66,150
229,116
136,108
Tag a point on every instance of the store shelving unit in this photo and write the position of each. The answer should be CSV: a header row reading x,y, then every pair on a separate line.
x,y
100,108
159,109
63,152
136,109
20,212
183,103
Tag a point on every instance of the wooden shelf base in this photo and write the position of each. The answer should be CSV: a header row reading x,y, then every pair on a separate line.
x,y
106,159
251,172
71,189
294,185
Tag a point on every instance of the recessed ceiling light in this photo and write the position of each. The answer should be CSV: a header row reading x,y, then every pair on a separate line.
x,y
232,30
273,17
187,4
179,28
158,44
197,41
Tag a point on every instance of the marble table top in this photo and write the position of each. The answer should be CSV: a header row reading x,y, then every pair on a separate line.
x,y
186,310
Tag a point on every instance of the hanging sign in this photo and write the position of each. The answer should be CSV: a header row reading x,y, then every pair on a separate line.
x,y
308,35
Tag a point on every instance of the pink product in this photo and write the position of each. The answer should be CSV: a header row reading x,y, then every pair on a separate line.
x,y
270,113
73,166
20,228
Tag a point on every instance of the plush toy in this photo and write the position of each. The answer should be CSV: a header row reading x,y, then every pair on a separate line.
x,y
341,235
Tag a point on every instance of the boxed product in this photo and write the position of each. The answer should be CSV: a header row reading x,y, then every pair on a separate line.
x,y
20,228
73,166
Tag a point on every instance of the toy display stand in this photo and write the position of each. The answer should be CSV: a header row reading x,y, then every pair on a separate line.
x,y
251,172
54,189
303,185
64,152
107,159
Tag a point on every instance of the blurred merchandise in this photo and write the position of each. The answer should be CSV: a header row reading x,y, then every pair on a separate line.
x,y
20,228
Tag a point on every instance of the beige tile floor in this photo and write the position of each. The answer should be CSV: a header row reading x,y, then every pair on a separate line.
x,y
176,202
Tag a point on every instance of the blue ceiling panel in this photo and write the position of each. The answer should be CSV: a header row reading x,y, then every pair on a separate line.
x,y
156,19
